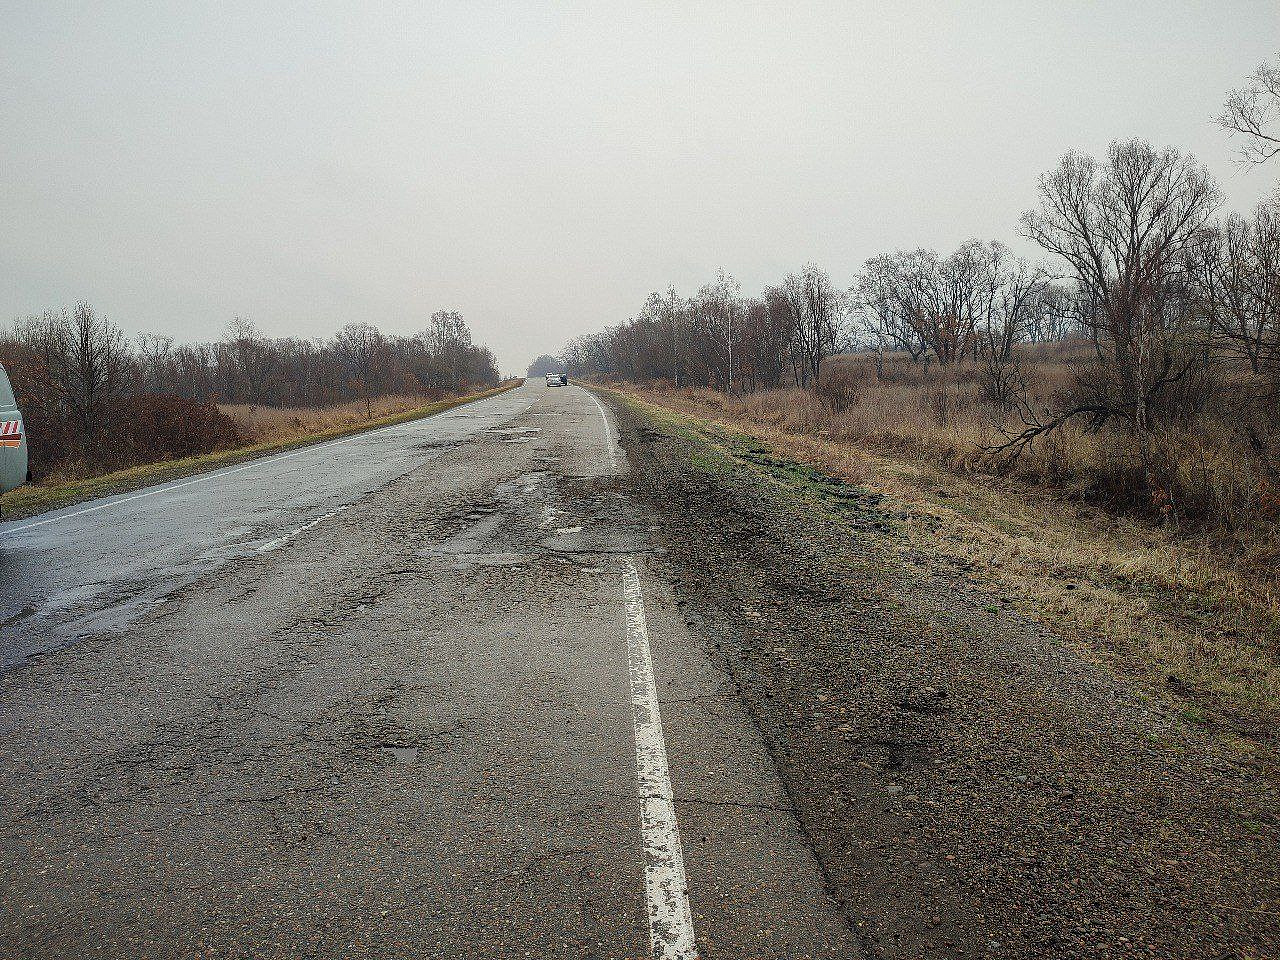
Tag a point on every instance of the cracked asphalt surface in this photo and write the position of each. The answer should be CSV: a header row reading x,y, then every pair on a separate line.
x,y
96,567
371,699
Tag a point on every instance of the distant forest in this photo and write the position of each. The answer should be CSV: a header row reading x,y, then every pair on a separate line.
x,y
95,400
545,365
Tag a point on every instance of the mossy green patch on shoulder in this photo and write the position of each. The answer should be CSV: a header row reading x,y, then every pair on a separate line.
x,y
715,448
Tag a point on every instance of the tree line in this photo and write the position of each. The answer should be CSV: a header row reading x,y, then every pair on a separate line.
x,y
719,338
1144,271
1178,305
94,399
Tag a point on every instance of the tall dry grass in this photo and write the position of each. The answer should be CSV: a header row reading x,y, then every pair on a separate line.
x,y
1059,532
1215,472
279,424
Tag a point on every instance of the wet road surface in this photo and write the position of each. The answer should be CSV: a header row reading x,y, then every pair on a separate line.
x,y
395,698
95,566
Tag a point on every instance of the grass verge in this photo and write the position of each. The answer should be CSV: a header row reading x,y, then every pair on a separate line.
x,y
1176,620
37,498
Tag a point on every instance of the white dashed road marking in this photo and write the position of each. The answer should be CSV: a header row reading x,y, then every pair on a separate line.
x,y
280,541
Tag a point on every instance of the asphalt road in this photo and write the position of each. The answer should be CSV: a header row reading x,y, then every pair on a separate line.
x,y
412,694
95,567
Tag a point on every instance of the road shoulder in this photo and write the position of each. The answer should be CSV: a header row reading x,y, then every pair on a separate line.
x,y
971,783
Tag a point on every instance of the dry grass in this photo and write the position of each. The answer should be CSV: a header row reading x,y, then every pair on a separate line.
x,y
276,424
1191,615
1211,481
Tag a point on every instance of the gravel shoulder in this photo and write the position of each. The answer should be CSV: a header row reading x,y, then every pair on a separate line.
x,y
972,783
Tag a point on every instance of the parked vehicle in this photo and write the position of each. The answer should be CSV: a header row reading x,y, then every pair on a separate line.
x,y
557,380
13,439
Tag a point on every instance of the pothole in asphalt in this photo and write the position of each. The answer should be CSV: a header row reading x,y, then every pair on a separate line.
x,y
403,754
599,539
516,434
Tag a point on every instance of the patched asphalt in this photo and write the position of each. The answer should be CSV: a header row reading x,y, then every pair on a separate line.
x,y
403,729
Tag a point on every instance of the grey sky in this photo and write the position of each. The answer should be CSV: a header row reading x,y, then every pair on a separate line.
x,y
541,167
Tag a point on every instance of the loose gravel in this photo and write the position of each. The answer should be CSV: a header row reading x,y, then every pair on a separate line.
x,y
972,785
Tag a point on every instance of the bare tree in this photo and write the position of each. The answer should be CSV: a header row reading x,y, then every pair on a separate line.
x,y
252,359
1235,266
669,311
361,348
1253,112
1024,304
815,309
1051,314
1123,228
448,338
155,362
888,301
90,363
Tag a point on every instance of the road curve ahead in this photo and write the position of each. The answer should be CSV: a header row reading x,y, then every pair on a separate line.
x,y
421,693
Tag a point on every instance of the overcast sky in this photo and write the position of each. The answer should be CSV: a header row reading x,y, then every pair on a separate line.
x,y
540,167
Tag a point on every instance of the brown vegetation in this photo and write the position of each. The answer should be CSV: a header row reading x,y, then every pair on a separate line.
x,y
952,418
1194,617
96,402
278,424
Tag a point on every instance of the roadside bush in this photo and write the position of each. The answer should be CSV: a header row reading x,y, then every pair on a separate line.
x,y
164,427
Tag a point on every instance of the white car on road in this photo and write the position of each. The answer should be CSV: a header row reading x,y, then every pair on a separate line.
x,y
557,380
13,439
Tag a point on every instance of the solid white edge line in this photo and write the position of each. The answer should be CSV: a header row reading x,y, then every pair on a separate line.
x,y
225,472
666,887
609,440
